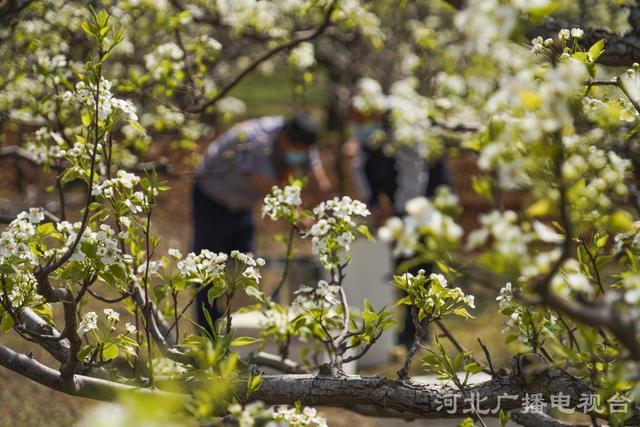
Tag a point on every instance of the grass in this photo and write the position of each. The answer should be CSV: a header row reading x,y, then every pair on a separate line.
x,y
276,94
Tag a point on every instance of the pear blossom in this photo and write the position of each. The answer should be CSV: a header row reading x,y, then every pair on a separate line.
x,y
88,323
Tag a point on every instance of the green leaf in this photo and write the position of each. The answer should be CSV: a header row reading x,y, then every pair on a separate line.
x,y
540,208
85,351
102,18
46,228
214,292
137,126
504,417
596,50
621,221
241,341
7,323
110,352
86,119
254,293
467,422
602,241
364,230
473,368
87,28
462,312
254,383
482,186
511,338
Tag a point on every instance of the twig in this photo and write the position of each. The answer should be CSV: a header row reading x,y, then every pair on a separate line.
x,y
287,264
487,355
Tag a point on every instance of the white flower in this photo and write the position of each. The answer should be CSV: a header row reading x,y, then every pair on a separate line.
x,y
369,97
631,284
385,234
302,56
546,233
112,315
130,328
231,105
35,216
174,253
418,206
577,33
282,203
152,267
439,278
537,45
251,273
127,180
564,34
89,322
345,240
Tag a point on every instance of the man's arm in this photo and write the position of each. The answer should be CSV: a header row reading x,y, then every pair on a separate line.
x,y
318,173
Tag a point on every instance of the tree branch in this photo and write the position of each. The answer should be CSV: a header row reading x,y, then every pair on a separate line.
x,y
300,38
89,387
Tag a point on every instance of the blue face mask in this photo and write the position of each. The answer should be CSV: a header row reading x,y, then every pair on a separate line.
x,y
295,158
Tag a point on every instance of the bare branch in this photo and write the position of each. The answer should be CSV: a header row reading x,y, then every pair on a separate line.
x,y
273,361
89,387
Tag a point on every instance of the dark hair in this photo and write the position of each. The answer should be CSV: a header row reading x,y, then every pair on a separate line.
x,y
301,129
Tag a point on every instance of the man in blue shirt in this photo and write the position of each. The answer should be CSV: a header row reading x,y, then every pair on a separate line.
x,y
239,169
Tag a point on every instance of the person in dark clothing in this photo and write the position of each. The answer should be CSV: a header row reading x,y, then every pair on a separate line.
x,y
240,167
388,181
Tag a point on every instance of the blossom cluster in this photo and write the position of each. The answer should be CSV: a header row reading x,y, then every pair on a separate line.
x,y
250,264
277,319
486,22
513,239
302,56
509,237
15,239
203,268
600,174
336,223
107,103
263,17
526,322
248,415
571,279
432,296
540,45
102,244
282,203
89,322
165,59
369,98
295,417
322,297
208,267
424,219
122,189
315,305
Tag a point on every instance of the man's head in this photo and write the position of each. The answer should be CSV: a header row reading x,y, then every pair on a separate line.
x,y
298,135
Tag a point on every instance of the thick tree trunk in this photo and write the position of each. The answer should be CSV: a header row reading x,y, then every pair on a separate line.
x,y
384,397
